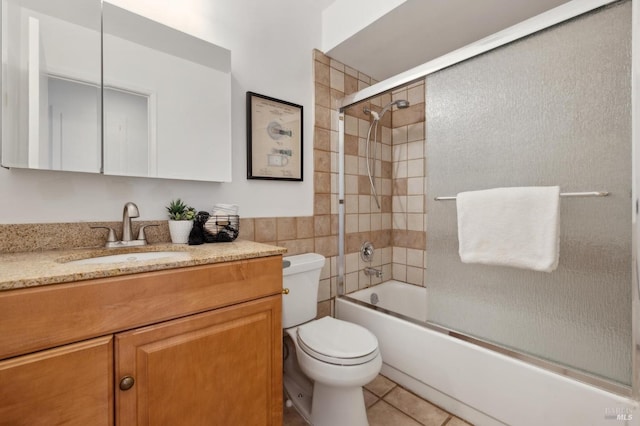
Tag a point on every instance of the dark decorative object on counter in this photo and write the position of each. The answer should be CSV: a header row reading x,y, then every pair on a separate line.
x,y
214,229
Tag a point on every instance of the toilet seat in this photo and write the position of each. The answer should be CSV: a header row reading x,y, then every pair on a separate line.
x,y
337,342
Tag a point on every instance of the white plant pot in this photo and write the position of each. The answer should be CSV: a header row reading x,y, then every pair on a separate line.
x,y
180,230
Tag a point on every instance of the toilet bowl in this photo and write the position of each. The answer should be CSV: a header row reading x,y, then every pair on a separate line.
x,y
327,361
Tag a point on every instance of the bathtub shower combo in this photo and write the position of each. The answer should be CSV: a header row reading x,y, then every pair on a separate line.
x,y
544,103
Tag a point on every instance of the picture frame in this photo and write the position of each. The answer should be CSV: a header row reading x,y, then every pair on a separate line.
x,y
274,139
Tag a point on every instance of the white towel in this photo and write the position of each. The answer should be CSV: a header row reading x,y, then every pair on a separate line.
x,y
517,227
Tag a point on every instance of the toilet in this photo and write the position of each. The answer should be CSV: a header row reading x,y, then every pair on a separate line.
x,y
326,361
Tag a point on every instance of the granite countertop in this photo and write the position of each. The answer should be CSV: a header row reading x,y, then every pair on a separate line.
x,y
32,269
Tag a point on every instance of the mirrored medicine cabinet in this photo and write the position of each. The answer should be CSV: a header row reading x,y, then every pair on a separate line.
x,y
90,87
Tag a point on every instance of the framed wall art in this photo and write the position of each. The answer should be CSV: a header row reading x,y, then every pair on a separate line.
x,y
274,139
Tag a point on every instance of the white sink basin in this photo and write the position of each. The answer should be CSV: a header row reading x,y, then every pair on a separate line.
x,y
132,257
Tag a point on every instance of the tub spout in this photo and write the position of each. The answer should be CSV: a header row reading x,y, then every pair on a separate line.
x,y
373,271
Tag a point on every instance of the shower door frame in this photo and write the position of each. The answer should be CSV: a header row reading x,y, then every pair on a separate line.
x,y
528,27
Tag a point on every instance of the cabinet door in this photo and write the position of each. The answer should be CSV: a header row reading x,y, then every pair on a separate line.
x,y
69,385
222,367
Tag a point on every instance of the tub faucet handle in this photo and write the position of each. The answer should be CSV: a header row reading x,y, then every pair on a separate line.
x,y
366,251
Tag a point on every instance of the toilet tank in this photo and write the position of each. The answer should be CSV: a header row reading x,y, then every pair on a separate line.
x,y
301,275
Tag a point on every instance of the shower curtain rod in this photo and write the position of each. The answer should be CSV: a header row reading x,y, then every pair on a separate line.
x,y
562,194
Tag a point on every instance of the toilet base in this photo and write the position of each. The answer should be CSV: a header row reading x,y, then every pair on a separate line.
x,y
300,393
336,406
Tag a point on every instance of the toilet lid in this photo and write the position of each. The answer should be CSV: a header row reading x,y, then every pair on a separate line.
x,y
337,342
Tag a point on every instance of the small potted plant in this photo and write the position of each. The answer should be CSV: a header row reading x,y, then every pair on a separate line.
x,y
180,221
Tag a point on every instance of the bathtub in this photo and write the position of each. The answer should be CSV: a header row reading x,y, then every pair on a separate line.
x,y
480,385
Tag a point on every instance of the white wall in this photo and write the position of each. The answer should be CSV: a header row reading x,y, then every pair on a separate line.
x,y
344,18
271,44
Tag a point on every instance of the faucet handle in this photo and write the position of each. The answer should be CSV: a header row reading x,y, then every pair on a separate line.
x,y
112,233
141,234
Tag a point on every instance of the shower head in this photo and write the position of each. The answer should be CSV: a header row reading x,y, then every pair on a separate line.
x,y
400,103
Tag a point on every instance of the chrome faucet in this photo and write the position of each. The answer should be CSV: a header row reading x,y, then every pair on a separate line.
x,y
373,271
130,211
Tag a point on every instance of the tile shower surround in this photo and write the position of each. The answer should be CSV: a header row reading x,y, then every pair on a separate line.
x,y
397,230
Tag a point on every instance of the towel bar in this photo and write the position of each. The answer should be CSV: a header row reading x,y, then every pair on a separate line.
x,y
562,194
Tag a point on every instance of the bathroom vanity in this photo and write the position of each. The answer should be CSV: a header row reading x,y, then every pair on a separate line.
x,y
177,344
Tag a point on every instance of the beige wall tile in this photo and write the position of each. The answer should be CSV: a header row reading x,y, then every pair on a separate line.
x,y
399,272
415,150
265,229
415,95
364,185
385,202
400,186
415,222
337,79
337,65
322,182
321,160
351,223
327,246
351,144
324,309
319,56
350,84
415,204
286,228
364,203
364,222
351,164
351,282
364,77
414,275
381,238
322,204
322,225
323,117
415,186
350,125
415,168
414,114
321,73
376,221
324,290
322,96
334,224
399,152
304,227
351,184
322,139
336,97
246,229
350,71
415,132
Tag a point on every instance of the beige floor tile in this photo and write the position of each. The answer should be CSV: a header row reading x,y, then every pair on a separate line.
x,y
383,414
416,407
369,398
457,422
380,385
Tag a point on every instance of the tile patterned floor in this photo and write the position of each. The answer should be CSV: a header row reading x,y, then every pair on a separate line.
x,y
388,404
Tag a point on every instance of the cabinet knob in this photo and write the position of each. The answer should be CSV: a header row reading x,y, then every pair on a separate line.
x,y
285,291
126,383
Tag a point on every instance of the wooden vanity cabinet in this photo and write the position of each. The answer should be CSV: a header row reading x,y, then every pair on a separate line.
x,y
216,368
70,385
177,363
